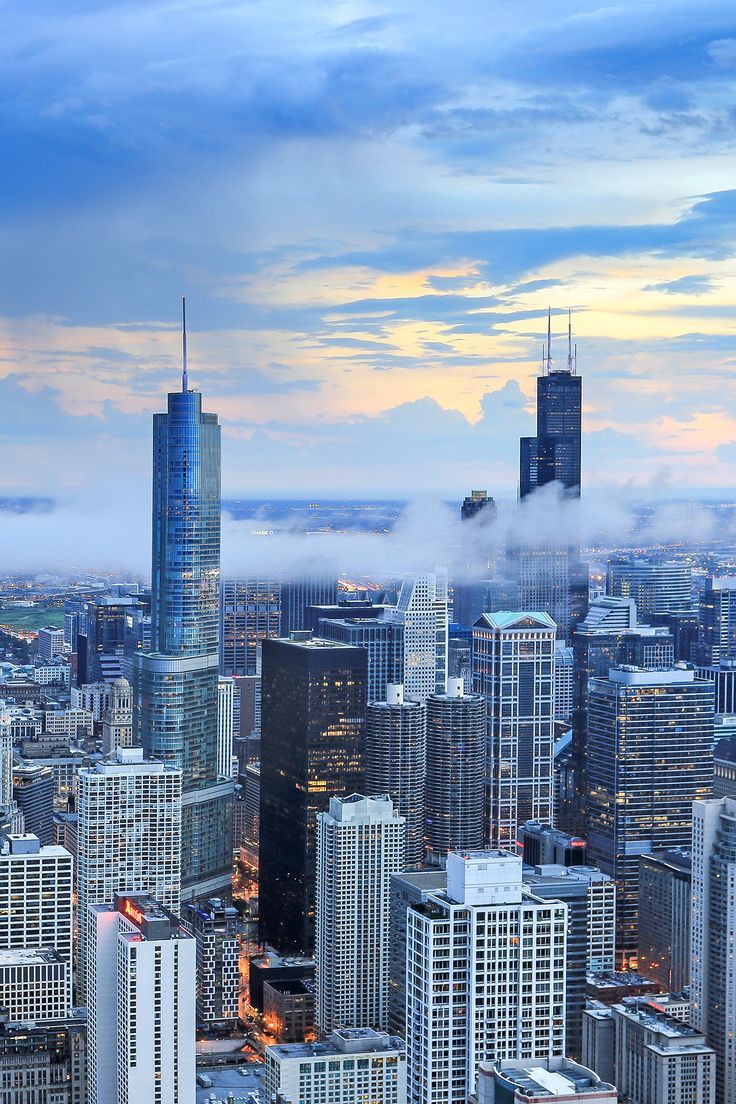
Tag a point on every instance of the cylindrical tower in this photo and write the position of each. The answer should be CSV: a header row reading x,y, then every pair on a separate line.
x,y
395,759
455,782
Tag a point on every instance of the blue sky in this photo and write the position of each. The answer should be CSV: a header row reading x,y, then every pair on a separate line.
x,y
370,207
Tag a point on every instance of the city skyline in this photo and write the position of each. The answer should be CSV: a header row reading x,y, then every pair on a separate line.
x,y
370,243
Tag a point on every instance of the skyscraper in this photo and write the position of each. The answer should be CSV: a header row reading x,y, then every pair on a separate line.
x,y
454,799
554,455
360,844
250,613
382,639
312,748
486,963
422,611
141,1004
128,835
176,708
712,982
310,589
716,622
514,670
117,721
395,762
650,739
657,586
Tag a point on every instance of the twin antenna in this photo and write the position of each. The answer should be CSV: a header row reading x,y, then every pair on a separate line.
x,y
572,350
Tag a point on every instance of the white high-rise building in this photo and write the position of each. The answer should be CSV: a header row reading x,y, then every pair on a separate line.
x,y
117,721
36,904
422,610
128,835
225,702
486,977
713,923
142,967
513,667
396,761
360,844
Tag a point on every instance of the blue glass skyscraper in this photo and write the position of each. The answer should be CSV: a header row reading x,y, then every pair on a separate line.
x,y
176,701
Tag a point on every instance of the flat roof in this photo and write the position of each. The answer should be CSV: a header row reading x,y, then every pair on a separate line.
x,y
28,957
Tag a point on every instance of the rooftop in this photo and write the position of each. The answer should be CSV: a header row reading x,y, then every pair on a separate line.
x,y
356,1040
28,957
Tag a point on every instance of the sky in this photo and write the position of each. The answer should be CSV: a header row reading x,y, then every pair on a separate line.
x,y
370,207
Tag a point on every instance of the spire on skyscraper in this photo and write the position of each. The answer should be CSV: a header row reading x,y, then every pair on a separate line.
x,y
184,373
549,339
570,358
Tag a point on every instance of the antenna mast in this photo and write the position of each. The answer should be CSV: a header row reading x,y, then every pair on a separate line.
x,y
549,340
184,373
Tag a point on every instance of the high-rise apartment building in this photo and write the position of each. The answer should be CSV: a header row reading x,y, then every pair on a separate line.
x,y
660,1060
422,611
590,897
36,907
657,586
713,981
514,670
650,738
312,748
50,642
360,845
225,710
141,1004
664,918
175,713
412,887
486,971
395,762
128,835
250,612
454,799
216,928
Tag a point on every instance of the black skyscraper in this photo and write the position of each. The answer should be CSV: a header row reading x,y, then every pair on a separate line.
x,y
312,748
554,454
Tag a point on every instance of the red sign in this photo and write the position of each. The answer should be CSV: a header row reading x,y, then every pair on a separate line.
x,y
132,913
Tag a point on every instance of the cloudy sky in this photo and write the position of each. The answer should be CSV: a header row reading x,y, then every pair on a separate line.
x,y
370,207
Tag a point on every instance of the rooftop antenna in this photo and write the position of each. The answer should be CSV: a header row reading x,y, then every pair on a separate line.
x,y
549,339
570,357
184,373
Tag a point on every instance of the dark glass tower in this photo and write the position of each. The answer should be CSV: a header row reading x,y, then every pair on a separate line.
x,y
554,454
176,698
312,749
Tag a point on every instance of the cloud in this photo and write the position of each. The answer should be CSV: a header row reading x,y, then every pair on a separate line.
x,y
685,285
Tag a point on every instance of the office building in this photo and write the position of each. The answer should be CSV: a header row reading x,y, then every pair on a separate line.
x,y
712,980
297,594
50,642
716,638
478,502
724,765
541,845
660,1060
422,612
553,456
44,1063
512,1082
36,909
289,1010
383,641
175,711
33,791
360,844
657,586
590,897
486,961
141,1004
411,887
250,612
101,639
225,707
395,762
460,653
249,826
357,1064
34,985
473,597
650,739
129,836
454,799
312,748
117,721
216,928
564,665
723,678
92,696
514,671
664,918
